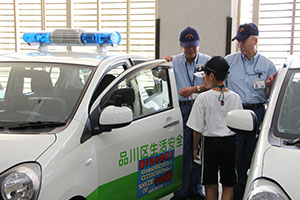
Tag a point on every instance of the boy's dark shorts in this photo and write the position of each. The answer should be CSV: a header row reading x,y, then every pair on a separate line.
x,y
219,153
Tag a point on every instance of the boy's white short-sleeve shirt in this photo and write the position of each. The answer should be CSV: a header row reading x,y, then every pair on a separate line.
x,y
208,116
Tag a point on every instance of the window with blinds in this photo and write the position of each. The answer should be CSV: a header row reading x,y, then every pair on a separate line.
x,y
279,27
7,30
134,19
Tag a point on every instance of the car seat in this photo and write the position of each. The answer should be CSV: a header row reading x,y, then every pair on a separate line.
x,y
41,83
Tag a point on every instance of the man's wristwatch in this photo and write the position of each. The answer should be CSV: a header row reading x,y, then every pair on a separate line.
x,y
198,89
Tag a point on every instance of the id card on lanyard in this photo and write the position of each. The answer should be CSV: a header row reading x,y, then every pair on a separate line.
x,y
191,81
259,83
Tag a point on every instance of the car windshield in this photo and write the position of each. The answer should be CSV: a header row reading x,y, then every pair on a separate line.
x,y
40,92
287,114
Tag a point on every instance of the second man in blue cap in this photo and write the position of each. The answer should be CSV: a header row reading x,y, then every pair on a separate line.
x,y
251,77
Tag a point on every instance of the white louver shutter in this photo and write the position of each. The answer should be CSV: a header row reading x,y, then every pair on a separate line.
x,y
54,15
29,14
279,34
7,33
279,27
143,27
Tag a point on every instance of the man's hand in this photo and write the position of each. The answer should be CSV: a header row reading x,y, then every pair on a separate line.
x,y
269,84
187,91
169,58
196,153
270,80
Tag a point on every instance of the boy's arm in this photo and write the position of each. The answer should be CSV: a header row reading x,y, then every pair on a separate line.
x,y
197,136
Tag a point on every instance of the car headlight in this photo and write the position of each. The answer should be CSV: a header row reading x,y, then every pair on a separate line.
x,y
21,182
264,189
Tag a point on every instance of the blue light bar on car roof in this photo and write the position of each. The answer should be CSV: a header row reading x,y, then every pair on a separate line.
x,y
101,38
38,38
72,37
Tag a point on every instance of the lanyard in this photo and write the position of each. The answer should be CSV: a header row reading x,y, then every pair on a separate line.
x,y
221,96
192,82
255,64
218,86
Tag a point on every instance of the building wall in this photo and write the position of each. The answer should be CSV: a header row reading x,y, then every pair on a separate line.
x,y
207,16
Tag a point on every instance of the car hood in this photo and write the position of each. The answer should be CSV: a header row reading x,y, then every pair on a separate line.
x,y
18,148
282,165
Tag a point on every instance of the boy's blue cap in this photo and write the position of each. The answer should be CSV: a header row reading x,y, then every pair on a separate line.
x,y
189,37
244,31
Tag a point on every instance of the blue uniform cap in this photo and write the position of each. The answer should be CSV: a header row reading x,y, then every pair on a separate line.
x,y
189,37
244,31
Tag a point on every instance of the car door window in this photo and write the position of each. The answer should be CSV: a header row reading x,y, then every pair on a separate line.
x,y
4,74
114,71
289,106
117,70
152,93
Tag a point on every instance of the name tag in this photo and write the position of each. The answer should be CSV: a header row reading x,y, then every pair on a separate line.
x,y
259,84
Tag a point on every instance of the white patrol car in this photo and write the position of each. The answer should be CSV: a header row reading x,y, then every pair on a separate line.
x,y
87,126
274,172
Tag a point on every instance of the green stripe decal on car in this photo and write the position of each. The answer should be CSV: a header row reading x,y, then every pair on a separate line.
x,y
126,187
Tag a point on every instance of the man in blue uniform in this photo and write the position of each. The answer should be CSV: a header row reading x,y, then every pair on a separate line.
x,y
251,77
188,85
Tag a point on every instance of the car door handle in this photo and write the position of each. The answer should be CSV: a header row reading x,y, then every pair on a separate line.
x,y
171,123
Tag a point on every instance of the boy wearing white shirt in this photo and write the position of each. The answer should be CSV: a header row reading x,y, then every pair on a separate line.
x,y
208,119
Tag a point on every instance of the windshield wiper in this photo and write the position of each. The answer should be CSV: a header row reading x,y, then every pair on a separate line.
x,y
36,125
291,142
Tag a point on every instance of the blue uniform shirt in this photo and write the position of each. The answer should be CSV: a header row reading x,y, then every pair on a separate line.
x,y
244,74
184,71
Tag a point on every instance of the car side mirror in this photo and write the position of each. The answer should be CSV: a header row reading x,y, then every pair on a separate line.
x,y
101,118
115,117
243,122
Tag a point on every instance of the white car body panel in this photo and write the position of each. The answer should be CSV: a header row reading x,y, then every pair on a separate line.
x,y
71,167
27,148
279,165
273,160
